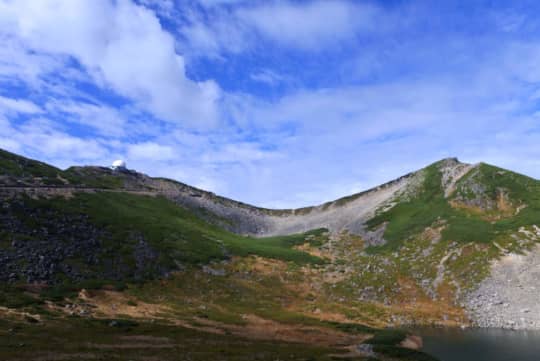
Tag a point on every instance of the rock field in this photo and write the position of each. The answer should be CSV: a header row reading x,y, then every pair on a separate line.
x,y
510,297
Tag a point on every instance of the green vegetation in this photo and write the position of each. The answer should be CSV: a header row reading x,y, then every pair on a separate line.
x,y
86,339
70,288
413,216
13,297
353,328
387,337
179,235
430,207
494,178
190,296
33,172
93,178
315,238
21,167
173,236
224,298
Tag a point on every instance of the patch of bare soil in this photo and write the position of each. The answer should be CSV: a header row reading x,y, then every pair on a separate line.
x,y
6,313
314,251
113,303
267,266
431,312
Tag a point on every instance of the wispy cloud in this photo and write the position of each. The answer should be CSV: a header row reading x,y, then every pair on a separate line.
x,y
150,151
18,106
308,26
44,139
311,25
108,121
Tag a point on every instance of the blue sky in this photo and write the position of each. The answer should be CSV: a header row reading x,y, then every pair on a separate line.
x,y
277,103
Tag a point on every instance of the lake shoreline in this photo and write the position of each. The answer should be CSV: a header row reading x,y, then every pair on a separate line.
x,y
485,344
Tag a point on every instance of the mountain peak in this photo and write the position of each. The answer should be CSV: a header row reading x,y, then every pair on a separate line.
x,y
449,162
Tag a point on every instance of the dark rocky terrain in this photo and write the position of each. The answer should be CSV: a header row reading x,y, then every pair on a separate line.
x,y
45,245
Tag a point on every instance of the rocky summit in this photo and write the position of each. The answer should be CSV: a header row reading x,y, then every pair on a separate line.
x,y
451,244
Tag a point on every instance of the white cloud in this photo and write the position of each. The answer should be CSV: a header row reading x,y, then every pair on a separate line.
x,y
107,121
240,152
162,7
18,106
42,139
310,25
217,32
18,64
150,151
122,45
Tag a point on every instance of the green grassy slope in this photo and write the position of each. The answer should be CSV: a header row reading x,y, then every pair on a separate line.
x,y
174,231
166,236
17,166
429,207
25,171
84,339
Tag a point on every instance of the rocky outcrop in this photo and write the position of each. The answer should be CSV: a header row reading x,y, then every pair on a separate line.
x,y
452,171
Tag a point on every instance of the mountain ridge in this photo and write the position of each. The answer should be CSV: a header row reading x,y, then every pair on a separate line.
x,y
261,221
430,248
409,251
108,170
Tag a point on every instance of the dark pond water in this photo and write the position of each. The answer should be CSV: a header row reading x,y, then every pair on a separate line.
x,y
481,344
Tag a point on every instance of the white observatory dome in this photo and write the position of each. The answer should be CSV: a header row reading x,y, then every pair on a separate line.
x,y
119,164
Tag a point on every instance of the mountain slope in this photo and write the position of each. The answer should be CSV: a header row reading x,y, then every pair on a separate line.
x,y
414,250
487,202
458,203
345,213
118,236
